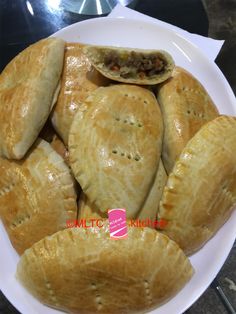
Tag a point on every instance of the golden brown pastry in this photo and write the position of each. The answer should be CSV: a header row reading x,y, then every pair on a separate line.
x,y
82,270
114,145
185,106
150,207
201,190
129,65
79,79
37,196
60,148
28,91
88,211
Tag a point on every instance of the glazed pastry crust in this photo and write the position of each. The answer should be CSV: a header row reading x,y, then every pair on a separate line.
x,y
27,88
82,270
60,148
201,190
88,211
79,79
37,196
114,145
96,55
186,107
150,208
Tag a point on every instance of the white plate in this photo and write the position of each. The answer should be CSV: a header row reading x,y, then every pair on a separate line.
x,y
131,33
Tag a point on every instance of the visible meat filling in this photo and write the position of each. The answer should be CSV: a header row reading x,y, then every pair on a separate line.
x,y
135,64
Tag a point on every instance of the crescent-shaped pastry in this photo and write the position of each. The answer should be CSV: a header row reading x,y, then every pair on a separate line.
x,y
28,91
201,190
80,270
149,209
37,196
129,65
186,107
114,145
79,79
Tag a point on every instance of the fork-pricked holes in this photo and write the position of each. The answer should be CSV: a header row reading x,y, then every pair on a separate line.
x,y
132,96
6,189
129,121
20,220
193,90
200,115
129,156
51,293
147,291
98,299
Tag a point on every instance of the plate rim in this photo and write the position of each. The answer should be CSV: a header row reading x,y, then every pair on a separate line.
x,y
228,89
166,29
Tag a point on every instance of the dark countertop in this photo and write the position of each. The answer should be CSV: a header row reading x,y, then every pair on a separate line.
x,y
19,28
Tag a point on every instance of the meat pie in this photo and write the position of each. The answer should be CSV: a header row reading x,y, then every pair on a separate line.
x,y
135,66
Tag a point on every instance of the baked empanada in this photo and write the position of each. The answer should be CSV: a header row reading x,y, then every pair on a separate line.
x,y
129,65
185,106
201,190
150,208
79,79
28,91
115,145
80,270
37,196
